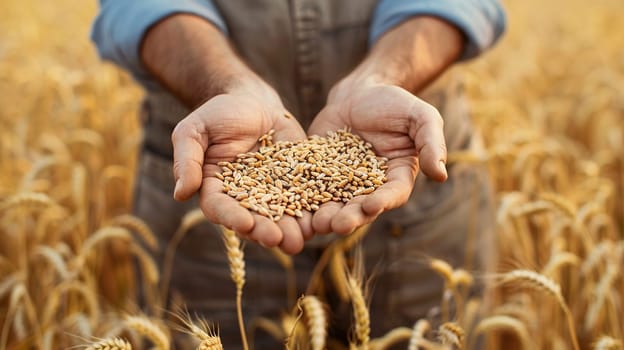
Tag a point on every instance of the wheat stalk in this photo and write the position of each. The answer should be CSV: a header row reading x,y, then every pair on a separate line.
x,y
601,294
189,220
392,337
291,275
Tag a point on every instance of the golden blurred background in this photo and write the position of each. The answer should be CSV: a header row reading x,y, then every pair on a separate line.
x,y
549,102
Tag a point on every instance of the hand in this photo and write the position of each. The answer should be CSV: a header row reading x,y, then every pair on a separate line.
x,y
401,127
220,129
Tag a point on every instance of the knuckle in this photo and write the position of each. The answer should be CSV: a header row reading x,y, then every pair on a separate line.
x,y
442,147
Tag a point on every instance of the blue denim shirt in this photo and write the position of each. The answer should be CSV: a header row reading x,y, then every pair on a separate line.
x,y
120,25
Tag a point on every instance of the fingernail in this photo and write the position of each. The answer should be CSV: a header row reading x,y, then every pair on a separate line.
x,y
443,167
178,187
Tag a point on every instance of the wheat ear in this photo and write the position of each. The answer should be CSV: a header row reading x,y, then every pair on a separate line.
x,y
421,327
450,333
237,273
206,335
559,260
139,227
360,312
607,343
110,344
28,200
536,281
316,321
503,322
148,329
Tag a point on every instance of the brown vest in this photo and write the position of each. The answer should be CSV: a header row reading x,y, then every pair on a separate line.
x,y
301,48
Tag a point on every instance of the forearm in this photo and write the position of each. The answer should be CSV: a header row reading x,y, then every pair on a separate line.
x,y
194,60
412,55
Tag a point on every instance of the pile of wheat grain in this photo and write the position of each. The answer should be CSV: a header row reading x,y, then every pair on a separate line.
x,y
549,103
287,177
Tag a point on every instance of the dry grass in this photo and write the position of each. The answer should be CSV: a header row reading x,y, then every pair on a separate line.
x,y
549,103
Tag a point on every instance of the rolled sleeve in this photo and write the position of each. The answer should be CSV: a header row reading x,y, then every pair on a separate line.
x,y
119,28
481,21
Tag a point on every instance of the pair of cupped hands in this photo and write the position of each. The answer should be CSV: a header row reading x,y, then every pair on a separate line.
x,y
400,126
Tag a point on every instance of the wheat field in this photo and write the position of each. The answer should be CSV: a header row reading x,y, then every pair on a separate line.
x,y
548,101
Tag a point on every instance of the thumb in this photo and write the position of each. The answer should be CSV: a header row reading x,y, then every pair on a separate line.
x,y
427,131
189,146
328,119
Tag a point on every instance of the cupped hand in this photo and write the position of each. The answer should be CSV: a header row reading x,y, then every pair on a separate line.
x,y
401,127
219,130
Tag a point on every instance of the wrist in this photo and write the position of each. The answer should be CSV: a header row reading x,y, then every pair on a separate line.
x,y
411,55
195,61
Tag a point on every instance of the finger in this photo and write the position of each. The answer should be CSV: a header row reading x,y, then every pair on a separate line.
x,y
292,243
305,223
189,145
401,174
321,221
266,232
289,130
328,119
222,209
427,131
351,216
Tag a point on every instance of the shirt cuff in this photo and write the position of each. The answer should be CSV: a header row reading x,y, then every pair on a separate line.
x,y
120,26
481,21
